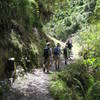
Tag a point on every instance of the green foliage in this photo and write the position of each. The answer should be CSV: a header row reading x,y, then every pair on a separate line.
x,y
77,79
94,62
94,93
76,82
20,32
58,89
81,17
25,12
70,18
89,62
97,62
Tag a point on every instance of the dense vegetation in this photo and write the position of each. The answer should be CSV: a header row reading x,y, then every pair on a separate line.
x,y
21,32
23,24
70,17
80,81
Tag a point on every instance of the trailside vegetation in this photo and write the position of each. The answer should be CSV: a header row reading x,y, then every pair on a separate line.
x,y
21,34
80,80
23,24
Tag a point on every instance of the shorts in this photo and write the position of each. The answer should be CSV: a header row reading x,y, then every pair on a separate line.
x,y
47,62
56,57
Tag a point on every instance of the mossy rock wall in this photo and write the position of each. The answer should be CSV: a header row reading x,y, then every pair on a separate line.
x,y
20,45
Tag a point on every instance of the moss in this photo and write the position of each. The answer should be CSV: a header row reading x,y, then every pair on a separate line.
x,y
20,46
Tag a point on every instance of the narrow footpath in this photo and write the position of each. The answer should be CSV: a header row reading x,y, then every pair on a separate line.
x,y
33,85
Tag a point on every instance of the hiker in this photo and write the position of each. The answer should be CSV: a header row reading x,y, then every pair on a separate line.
x,y
56,54
69,43
47,56
66,53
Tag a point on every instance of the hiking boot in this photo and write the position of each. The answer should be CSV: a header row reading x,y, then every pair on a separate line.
x,y
44,70
48,72
56,68
65,63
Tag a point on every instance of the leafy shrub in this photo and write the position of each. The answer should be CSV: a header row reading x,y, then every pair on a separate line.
x,y
77,80
95,91
58,89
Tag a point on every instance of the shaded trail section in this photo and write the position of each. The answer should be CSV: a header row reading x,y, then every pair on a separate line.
x,y
33,86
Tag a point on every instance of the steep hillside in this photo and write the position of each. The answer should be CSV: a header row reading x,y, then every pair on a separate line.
x,y
69,17
20,32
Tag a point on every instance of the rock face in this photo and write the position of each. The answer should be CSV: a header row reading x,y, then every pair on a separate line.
x,y
21,33
28,44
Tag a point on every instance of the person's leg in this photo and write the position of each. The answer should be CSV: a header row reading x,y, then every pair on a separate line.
x,y
65,60
48,64
70,53
44,65
55,62
55,65
58,63
51,61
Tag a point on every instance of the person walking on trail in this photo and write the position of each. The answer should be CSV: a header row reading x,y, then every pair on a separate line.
x,y
69,43
66,53
47,55
56,53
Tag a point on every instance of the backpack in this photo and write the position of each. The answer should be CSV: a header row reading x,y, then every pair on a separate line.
x,y
46,52
69,45
56,51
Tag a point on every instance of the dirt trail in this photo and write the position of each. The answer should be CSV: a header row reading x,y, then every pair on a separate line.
x,y
32,86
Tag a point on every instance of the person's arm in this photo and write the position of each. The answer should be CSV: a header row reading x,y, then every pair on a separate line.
x,y
64,51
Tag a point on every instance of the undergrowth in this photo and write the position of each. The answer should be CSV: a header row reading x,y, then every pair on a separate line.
x,y
75,83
